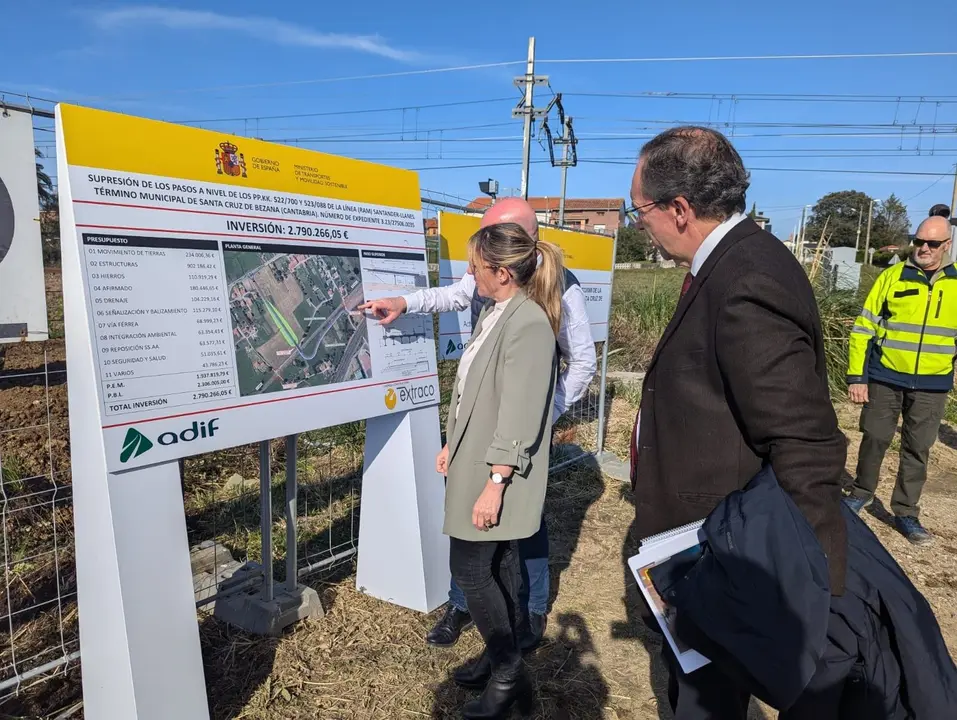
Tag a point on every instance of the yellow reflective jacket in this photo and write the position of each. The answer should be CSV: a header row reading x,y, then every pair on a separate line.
x,y
905,334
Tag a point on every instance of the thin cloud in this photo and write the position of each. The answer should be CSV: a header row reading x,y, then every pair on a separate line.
x,y
266,29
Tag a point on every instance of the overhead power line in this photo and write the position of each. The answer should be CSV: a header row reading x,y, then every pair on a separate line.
x,y
316,81
407,131
348,112
513,63
477,165
776,97
724,58
810,170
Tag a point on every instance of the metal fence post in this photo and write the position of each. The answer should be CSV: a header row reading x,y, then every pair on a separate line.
x,y
265,519
601,396
292,492
604,355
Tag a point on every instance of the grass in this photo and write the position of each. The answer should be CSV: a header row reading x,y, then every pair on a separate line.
x,y
644,302
642,305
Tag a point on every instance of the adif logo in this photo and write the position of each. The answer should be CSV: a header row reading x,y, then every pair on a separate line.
x,y
200,429
453,346
136,443
390,399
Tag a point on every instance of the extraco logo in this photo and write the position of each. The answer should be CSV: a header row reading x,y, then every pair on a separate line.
x,y
417,394
390,399
136,443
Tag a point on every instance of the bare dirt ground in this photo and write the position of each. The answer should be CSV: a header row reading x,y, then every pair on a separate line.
x,y
366,659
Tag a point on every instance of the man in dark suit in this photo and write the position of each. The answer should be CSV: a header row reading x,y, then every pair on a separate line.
x,y
738,379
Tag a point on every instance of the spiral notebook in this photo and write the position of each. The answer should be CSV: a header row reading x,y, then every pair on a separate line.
x,y
668,534
655,550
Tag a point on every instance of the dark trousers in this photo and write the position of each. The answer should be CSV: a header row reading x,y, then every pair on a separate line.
x,y
922,412
533,553
489,574
705,694
710,694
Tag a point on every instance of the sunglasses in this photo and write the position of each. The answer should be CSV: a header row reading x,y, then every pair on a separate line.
x,y
932,244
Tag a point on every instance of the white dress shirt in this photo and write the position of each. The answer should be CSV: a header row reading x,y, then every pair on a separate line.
x,y
701,254
711,242
575,343
465,364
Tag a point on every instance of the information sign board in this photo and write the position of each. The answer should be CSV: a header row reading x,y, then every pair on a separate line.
x,y
221,277
590,257
23,306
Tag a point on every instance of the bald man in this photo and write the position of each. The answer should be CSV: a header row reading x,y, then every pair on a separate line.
x,y
577,349
901,362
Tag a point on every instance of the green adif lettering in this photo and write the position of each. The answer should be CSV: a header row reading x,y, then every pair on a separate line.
x,y
136,443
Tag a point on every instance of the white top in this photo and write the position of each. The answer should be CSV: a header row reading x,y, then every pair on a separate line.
x,y
491,318
575,342
702,254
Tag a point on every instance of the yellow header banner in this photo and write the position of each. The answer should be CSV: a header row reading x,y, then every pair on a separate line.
x,y
582,250
112,141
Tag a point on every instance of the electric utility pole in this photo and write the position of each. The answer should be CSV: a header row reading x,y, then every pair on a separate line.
x,y
953,219
799,245
860,216
567,140
867,243
526,109
953,201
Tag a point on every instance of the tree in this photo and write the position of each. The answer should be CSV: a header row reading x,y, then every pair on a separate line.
x,y
45,190
842,209
50,231
633,245
891,224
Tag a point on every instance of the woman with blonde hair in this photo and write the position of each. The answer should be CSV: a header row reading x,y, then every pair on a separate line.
x,y
496,455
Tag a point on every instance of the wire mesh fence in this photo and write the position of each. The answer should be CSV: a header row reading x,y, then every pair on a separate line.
x,y
39,630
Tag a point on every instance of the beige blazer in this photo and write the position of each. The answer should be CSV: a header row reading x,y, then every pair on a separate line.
x,y
505,418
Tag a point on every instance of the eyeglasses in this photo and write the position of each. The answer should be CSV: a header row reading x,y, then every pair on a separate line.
x,y
640,210
932,244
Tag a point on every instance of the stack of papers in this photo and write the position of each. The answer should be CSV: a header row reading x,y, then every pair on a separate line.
x,y
655,551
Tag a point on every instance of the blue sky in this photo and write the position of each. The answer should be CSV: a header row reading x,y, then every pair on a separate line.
x,y
212,61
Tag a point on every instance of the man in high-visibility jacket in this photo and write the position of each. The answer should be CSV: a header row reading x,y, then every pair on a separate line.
x,y
902,360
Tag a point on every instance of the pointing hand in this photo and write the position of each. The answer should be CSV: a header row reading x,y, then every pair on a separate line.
x,y
385,309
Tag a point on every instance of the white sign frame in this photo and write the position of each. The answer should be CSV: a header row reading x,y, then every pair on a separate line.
x,y
139,638
23,302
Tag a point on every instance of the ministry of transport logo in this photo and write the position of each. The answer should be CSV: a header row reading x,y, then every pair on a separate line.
x,y
134,445
390,398
229,160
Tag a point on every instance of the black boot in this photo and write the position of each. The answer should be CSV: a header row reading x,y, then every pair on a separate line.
x,y
499,696
447,630
475,675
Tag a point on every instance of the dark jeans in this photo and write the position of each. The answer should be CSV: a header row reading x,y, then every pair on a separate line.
x,y
489,574
922,411
533,554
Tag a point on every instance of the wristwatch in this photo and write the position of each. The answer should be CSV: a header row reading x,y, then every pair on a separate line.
x,y
496,478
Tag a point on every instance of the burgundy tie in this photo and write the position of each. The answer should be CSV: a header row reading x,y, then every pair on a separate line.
x,y
686,283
